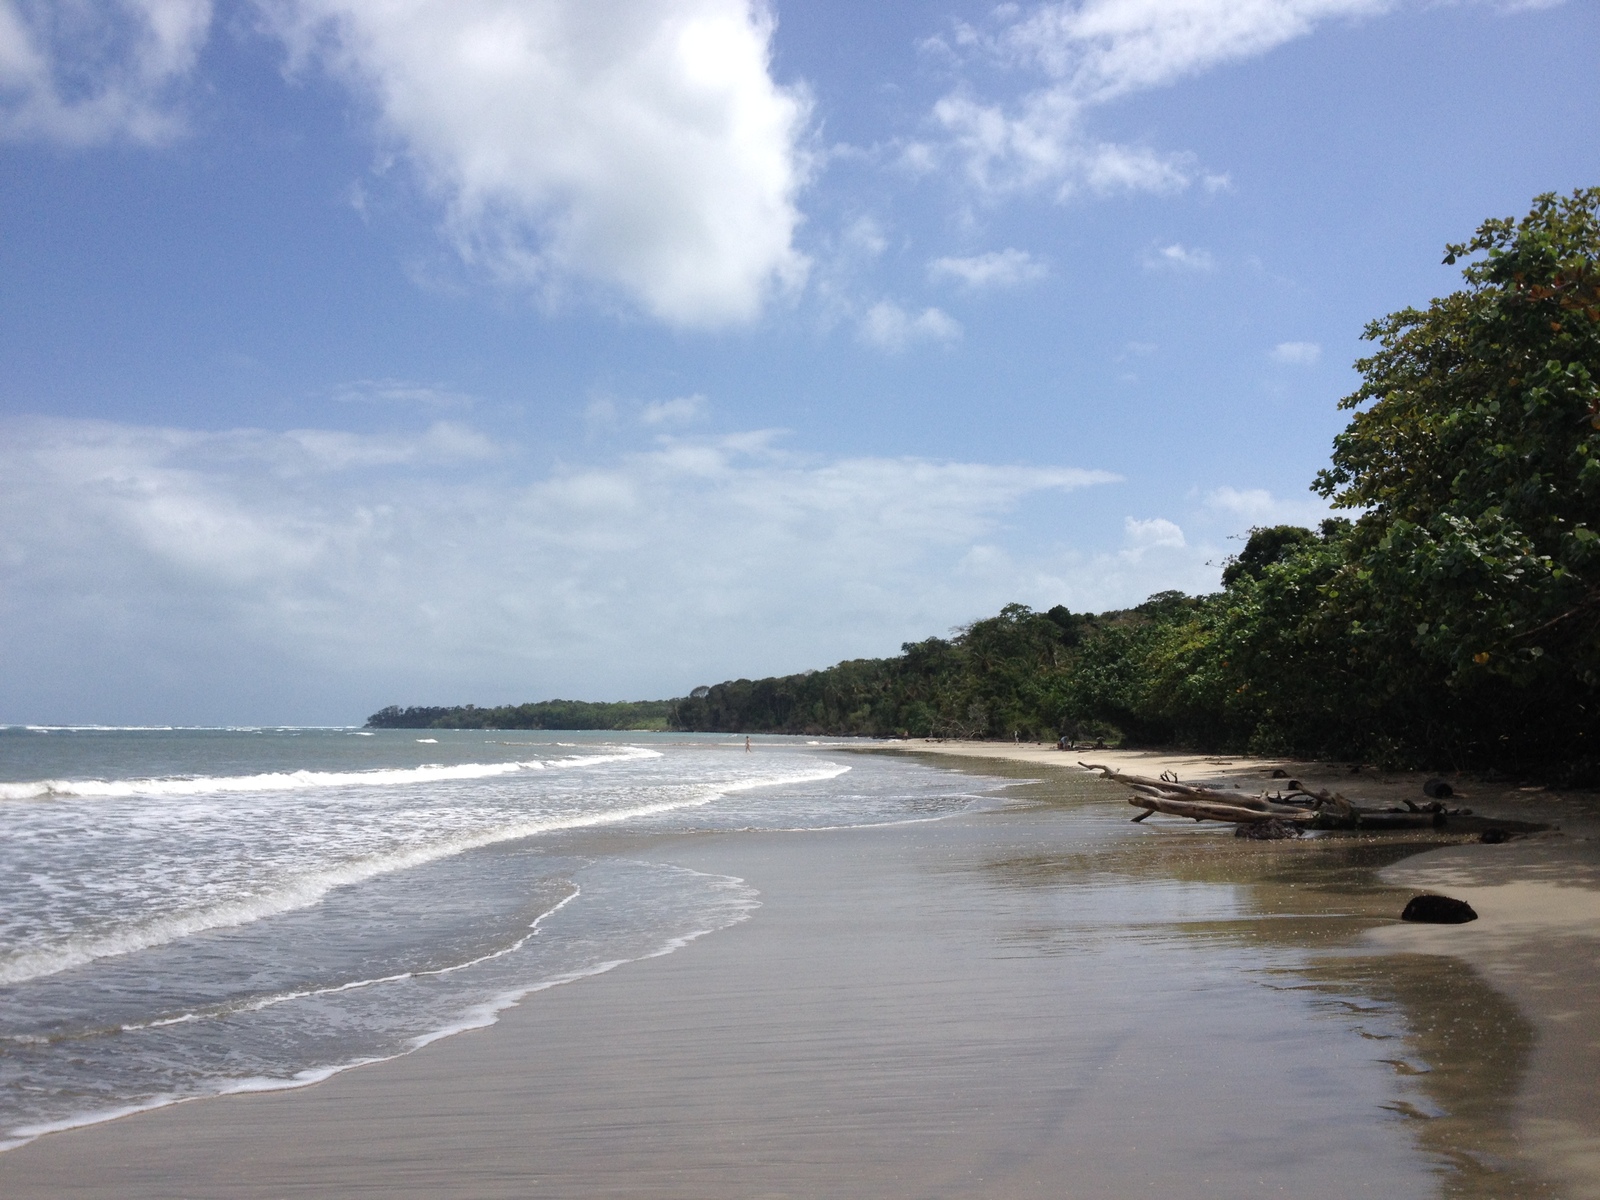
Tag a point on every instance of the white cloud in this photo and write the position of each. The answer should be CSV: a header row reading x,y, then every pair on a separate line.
x,y
445,442
996,269
1091,53
679,411
401,391
1108,48
1180,258
865,237
319,574
1142,536
1247,507
1296,354
642,145
890,327
85,73
642,148
1043,144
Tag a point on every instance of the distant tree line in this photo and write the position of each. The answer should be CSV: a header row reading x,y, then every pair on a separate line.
x,y
546,714
1454,620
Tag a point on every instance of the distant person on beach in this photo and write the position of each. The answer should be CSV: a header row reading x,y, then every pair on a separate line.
x,y
747,745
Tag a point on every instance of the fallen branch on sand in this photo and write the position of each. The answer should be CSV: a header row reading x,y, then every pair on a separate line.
x,y
1320,809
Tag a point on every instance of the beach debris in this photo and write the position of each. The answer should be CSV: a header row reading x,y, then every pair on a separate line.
x,y
1279,773
1314,809
1437,789
1274,830
1176,799
1438,910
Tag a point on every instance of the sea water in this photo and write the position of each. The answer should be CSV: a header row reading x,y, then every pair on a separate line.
x,y
189,912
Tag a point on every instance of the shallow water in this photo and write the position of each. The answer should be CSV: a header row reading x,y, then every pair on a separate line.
x,y
186,912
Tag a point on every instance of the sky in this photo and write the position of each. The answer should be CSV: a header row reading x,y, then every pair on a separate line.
x,y
368,352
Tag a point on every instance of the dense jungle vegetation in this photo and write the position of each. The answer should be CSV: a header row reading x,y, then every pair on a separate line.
x,y
546,714
1452,620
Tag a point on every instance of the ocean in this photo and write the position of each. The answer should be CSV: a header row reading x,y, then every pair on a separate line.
x,y
190,912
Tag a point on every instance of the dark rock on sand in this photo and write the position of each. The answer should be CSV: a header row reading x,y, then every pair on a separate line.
x,y
1438,789
1438,910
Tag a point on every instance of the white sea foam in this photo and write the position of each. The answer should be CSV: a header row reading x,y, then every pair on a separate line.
x,y
284,781
477,1017
261,1003
308,889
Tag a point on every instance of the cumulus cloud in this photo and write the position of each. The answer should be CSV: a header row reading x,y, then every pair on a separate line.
x,y
641,145
1090,53
85,73
641,148
1146,535
317,575
996,269
1296,354
1177,257
889,327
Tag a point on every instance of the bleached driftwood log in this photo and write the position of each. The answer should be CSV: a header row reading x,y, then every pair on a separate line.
x,y
1218,804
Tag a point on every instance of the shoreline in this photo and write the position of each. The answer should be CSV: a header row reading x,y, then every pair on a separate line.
x,y
887,1024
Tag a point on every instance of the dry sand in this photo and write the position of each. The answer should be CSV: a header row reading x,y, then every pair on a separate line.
x,y
917,1011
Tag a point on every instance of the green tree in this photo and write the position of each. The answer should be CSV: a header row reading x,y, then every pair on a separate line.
x,y
1473,587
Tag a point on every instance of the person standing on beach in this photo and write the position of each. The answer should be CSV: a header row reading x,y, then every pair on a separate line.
x,y
747,744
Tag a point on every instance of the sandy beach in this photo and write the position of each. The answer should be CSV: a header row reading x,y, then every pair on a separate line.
x,y
944,1009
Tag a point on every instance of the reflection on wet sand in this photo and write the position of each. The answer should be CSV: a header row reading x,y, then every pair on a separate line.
x,y
1459,1048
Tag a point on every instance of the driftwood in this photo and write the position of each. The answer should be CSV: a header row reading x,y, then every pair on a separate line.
x,y
1319,809
1203,810
1202,803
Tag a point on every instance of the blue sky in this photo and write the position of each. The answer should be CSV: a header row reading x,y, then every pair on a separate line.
x,y
361,352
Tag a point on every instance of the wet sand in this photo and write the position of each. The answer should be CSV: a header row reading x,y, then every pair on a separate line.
x,y
1041,1001
1536,943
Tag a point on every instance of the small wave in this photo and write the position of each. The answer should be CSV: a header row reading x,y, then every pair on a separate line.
x,y
745,903
309,889
103,728
284,781
261,1003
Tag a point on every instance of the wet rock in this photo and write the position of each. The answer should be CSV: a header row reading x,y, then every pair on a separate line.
x,y
1268,831
1279,773
1438,910
1494,837
1438,789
